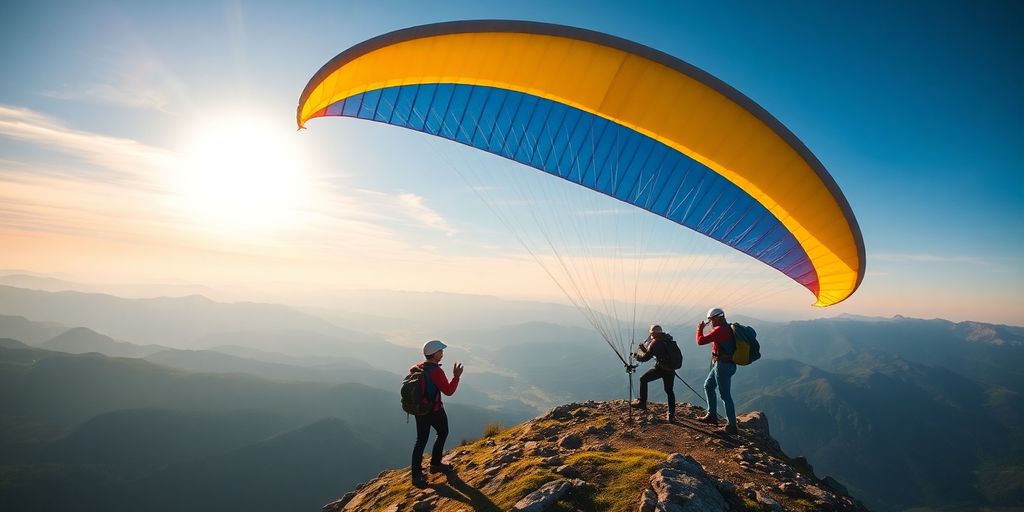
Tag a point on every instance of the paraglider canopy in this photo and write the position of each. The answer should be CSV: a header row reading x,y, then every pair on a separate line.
x,y
618,118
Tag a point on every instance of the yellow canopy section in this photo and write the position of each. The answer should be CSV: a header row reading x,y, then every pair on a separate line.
x,y
634,86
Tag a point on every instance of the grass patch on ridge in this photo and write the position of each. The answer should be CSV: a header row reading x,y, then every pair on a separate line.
x,y
619,477
529,477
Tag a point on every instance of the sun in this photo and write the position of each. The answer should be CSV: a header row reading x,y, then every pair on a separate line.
x,y
242,173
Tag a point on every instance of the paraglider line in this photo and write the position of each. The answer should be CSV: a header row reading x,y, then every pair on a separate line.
x,y
691,388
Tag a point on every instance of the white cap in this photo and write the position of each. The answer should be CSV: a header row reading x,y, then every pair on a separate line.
x,y
655,329
713,312
433,346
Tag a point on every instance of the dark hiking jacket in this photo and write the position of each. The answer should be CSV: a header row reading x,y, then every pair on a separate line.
x,y
657,349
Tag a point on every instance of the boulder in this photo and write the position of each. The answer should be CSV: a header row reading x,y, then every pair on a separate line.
x,y
554,460
543,498
683,486
648,501
753,421
562,412
570,442
768,503
544,450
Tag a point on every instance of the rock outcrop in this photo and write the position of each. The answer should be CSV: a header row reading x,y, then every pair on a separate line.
x,y
592,456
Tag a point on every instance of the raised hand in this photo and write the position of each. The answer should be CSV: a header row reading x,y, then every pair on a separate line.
x,y
457,369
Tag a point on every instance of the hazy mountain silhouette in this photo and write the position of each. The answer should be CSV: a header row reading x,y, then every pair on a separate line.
x,y
341,370
989,353
104,433
272,357
293,471
49,283
173,322
438,312
902,433
12,343
141,440
39,282
63,390
312,345
81,340
210,361
28,331
313,368
907,412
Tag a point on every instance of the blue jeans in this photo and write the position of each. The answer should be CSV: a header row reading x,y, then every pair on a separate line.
x,y
720,377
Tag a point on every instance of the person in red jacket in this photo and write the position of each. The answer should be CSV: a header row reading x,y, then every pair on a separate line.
x,y
722,347
435,383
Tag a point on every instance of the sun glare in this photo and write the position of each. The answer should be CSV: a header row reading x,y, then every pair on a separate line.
x,y
243,174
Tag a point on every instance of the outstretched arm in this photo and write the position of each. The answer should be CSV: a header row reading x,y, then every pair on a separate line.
x,y
718,334
442,383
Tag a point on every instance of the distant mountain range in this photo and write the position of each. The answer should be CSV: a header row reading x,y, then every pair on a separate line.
x,y
28,331
82,340
104,433
907,412
179,322
61,283
905,433
267,365
397,314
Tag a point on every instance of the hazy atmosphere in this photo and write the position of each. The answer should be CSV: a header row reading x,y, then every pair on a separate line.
x,y
217,263
149,144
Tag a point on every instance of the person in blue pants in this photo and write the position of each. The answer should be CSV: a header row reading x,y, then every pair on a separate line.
x,y
723,345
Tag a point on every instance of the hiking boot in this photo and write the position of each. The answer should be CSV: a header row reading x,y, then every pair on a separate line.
x,y
638,405
709,418
731,429
671,418
419,481
441,468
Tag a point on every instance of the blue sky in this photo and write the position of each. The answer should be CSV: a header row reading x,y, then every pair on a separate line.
x,y
914,108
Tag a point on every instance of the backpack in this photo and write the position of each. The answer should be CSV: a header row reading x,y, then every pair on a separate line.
x,y
748,349
675,356
414,393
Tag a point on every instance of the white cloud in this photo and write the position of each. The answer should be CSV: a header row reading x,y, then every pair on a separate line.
x,y
416,209
117,188
129,159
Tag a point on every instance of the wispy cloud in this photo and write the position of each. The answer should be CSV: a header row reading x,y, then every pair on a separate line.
x,y
417,210
110,199
120,189
128,75
127,159
104,187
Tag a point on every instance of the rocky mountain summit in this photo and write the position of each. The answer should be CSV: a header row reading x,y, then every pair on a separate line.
x,y
592,456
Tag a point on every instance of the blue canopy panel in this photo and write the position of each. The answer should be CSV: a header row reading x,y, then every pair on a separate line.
x,y
594,152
